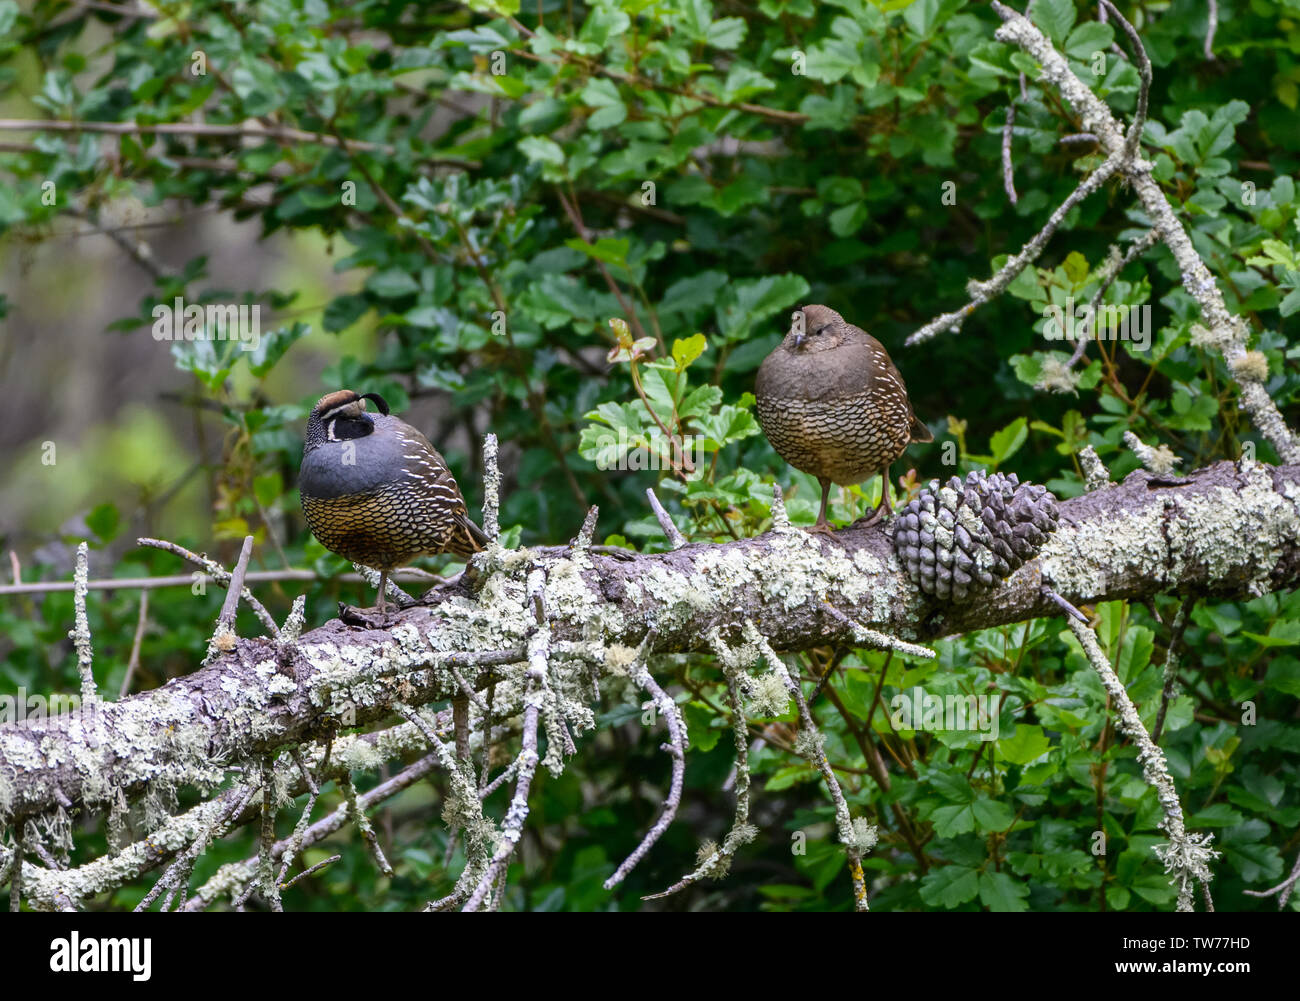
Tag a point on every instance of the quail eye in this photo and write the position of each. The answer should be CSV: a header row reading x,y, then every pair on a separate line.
x,y
820,329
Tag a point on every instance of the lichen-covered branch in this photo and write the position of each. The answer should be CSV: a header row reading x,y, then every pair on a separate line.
x,y
1230,530
986,291
1186,856
1225,332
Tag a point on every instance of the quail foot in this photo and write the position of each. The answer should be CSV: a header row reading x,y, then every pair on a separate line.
x,y
375,491
833,405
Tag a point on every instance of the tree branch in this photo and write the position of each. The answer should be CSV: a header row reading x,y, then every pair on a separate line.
x,y
1229,530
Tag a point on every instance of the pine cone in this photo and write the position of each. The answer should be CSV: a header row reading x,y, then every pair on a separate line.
x,y
959,540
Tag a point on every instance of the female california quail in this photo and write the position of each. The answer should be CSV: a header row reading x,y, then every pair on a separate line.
x,y
376,492
832,404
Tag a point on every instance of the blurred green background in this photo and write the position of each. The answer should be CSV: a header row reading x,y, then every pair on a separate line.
x,y
687,168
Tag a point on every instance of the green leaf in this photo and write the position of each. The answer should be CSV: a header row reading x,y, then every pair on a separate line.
x,y
1055,17
691,294
539,149
602,95
950,886
1135,654
729,424
1007,442
848,219
1284,674
104,521
699,726
605,249
271,346
726,33
392,284
949,821
992,815
999,892
687,350
1028,744
268,488
1088,39
744,304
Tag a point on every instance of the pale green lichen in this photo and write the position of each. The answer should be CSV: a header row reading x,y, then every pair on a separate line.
x,y
1250,365
865,836
619,658
1243,530
767,695
810,745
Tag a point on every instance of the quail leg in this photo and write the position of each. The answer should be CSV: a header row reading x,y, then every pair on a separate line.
x,y
823,526
883,508
383,588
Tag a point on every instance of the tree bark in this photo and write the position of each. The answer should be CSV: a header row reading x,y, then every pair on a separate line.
x,y
1230,531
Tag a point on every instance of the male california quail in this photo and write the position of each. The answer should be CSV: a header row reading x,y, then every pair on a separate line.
x,y
376,492
832,404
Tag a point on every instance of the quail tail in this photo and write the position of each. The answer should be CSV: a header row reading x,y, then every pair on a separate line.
x,y
467,539
918,430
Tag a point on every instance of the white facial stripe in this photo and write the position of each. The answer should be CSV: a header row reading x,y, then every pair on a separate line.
x,y
342,410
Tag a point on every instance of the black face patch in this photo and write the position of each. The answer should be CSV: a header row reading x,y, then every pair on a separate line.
x,y
348,428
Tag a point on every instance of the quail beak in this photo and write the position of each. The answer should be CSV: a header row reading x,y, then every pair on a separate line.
x,y
800,334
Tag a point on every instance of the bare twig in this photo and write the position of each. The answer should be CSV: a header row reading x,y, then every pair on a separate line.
x,y
780,516
1095,474
1063,605
873,638
588,530
1186,856
539,652
250,130
240,873
1134,137
675,538
179,871
137,250
1109,271
1226,332
407,574
218,573
307,872
1284,888
982,292
230,607
80,633
716,864
295,839
16,873
491,488
1008,171
358,814
677,748
857,838
1176,631
266,838
133,661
